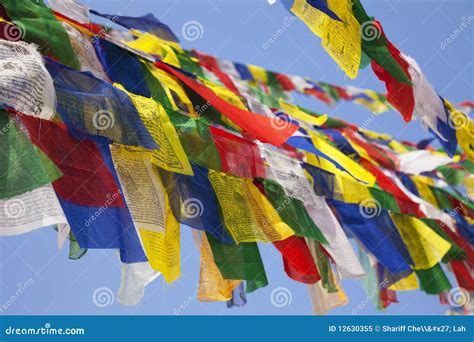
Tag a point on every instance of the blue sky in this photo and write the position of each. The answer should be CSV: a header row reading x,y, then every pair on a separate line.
x,y
238,30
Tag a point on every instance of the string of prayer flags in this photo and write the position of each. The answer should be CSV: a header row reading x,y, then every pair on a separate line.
x,y
360,37
262,128
145,137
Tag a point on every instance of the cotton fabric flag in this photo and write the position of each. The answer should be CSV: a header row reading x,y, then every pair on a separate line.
x,y
93,106
247,214
23,166
212,286
39,26
425,246
25,84
340,38
89,191
170,155
242,261
135,277
163,248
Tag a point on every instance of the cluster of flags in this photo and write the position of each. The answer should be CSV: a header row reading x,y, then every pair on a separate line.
x,y
354,39
126,138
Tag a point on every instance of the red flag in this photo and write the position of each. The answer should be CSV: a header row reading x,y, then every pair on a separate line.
x,y
87,180
285,82
263,128
298,261
399,94
210,63
239,156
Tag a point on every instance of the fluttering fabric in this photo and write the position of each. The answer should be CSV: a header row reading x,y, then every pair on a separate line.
x,y
136,151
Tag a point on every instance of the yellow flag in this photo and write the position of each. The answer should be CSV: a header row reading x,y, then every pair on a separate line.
x,y
405,284
150,43
424,190
212,286
375,105
171,155
228,96
350,165
142,189
298,114
163,248
464,130
360,150
172,85
258,73
247,214
426,248
341,39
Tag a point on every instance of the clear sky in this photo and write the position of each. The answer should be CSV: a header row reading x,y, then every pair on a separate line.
x,y
238,30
